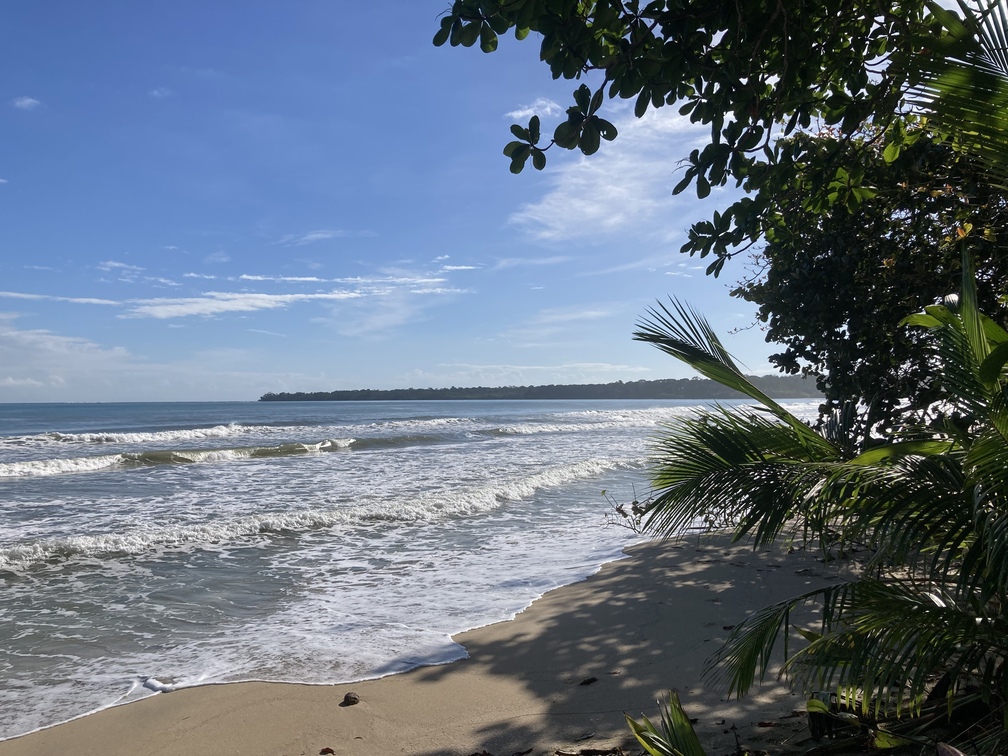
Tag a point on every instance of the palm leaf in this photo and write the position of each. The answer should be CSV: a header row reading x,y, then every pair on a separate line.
x,y
964,79
676,736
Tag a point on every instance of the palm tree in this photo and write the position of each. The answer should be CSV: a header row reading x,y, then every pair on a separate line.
x,y
928,616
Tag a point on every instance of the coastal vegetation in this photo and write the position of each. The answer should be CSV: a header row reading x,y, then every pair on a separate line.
x,y
791,387
872,145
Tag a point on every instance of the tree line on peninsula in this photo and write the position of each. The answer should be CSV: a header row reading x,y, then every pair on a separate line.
x,y
780,386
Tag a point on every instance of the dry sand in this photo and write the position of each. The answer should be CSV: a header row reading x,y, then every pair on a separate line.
x,y
638,627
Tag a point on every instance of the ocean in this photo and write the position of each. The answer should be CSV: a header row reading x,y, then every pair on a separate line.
x,y
146,547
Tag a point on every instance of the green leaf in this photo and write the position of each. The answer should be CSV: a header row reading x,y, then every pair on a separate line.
x,y
442,35
582,96
589,141
886,740
488,39
676,736
703,187
815,706
566,135
518,158
498,23
470,33
538,159
897,450
521,32
606,128
533,129
510,147
992,367
643,100
891,152
520,132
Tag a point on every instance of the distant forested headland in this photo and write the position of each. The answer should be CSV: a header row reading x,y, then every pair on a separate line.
x,y
779,386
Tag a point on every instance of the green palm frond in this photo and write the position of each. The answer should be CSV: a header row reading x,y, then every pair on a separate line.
x,y
684,334
964,79
892,639
676,736
735,465
748,652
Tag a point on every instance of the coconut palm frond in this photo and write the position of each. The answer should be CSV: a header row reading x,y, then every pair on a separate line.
x,y
733,466
676,736
895,638
912,510
964,79
749,651
681,332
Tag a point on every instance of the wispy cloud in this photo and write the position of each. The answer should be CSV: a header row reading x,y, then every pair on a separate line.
x,y
3,181
220,302
282,279
52,298
624,189
450,268
571,315
217,258
110,265
300,240
515,262
160,93
541,107
25,103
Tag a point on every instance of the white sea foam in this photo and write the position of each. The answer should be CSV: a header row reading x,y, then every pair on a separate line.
x,y
455,503
44,467
71,465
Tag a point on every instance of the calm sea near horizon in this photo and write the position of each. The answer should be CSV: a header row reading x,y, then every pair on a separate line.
x,y
145,547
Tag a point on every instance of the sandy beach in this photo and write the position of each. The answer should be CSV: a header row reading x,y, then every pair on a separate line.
x,y
556,678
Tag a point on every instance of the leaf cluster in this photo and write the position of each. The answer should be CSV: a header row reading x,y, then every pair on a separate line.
x,y
832,286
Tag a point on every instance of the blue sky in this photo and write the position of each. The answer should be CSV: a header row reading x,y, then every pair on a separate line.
x,y
208,201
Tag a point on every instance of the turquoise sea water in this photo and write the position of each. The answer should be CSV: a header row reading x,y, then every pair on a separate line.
x,y
149,546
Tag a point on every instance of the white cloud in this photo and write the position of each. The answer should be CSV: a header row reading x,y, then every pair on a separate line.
x,y
220,302
514,262
216,258
625,188
449,268
162,281
25,103
3,181
40,365
571,315
541,107
299,240
160,93
51,298
282,279
110,265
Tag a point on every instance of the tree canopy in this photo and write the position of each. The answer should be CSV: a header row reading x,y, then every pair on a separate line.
x,y
833,286
749,70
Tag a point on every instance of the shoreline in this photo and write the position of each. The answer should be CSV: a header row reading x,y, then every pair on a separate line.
x,y
556,677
